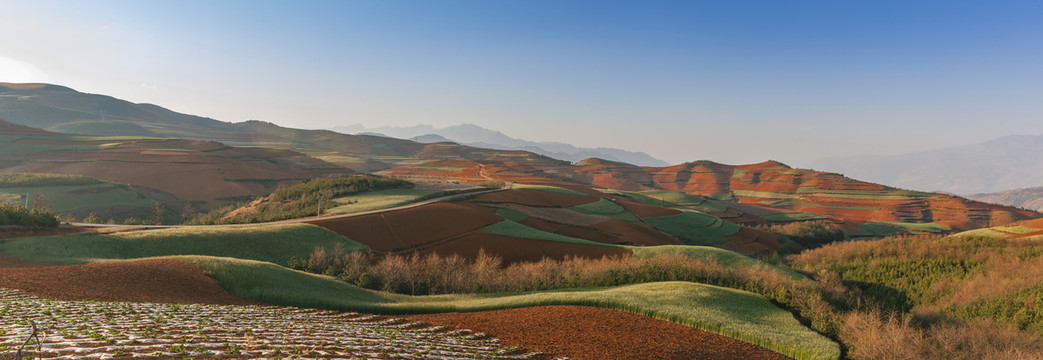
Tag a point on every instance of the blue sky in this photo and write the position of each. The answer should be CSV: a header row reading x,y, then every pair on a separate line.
x,y
731,81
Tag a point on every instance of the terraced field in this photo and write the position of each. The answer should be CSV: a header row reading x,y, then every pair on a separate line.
x,y
76,329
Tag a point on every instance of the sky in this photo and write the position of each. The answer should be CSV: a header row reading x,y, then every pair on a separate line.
x,y
734,81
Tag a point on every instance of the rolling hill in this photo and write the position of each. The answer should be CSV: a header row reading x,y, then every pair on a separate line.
x,y
748,192
174,171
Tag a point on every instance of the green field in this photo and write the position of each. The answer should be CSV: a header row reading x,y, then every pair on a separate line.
x,y
734,313
922,227
66,199
378,199
548,188
765,195
695,228
271,243
676,199
10,147
605,207
999,231
512,228
511,215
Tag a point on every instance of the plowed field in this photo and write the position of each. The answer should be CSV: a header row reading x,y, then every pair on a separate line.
x,y
589,333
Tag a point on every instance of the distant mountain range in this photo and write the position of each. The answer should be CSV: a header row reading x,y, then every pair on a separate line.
x,y
474,135
1010,162
1031,198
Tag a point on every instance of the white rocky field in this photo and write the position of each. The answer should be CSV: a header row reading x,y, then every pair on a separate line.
x,y
87,329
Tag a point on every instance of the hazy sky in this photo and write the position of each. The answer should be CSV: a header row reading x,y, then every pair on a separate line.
x,y
732,81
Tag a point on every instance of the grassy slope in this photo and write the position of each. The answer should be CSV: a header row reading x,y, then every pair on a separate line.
x,y
64,199
271,243
695,228
676,199
378,199
734,313
548,188
605,207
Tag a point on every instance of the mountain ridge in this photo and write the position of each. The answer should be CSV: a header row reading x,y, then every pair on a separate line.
x,y
477,136
1004,163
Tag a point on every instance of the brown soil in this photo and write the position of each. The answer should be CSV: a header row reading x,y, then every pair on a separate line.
x,y
514,250
576,231
636,233
535,198
1037,223
581,332
7,232
645,211
412,228
155,280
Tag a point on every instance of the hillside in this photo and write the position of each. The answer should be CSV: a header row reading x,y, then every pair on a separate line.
x,y
1010,162
765,189
202,173
1030,198
768,187
61,109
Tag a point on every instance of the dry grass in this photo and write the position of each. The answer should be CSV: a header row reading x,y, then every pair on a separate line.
x,y
872,335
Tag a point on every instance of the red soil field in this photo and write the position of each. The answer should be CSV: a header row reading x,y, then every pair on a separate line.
x,y
580,232
514,250
643,211
535,198
155,280
216,171
590,333
637,234
407,229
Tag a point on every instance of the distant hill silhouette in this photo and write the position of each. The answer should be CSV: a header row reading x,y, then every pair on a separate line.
x,y
1010,162
1030,198
477,136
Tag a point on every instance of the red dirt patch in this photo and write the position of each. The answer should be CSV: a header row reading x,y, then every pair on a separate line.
x,y
645,211
1036,223
412,228
576,231
582,332
636,234
514,250
535,198
154,280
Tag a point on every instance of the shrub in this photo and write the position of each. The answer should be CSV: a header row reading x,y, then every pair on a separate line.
x,y
808,234
21,216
